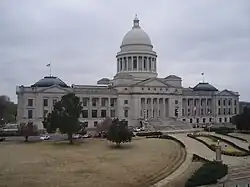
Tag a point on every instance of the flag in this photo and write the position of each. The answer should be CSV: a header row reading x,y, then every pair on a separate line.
x,y
48,65
202,73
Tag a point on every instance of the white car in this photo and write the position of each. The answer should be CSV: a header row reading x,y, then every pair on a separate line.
x,y
45,137
77,136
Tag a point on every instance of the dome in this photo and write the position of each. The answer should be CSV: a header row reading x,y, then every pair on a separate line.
x,y
136,36
49,81
204,87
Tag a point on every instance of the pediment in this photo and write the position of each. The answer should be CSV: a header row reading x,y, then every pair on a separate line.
x,y
54,89
226,93
153,82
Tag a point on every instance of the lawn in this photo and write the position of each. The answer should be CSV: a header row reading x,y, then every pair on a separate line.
x,y
224,146
92,163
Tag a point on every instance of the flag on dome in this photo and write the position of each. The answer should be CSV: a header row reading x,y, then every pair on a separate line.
x,y
48,65
202,73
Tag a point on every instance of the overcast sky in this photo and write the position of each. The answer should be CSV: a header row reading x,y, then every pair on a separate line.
x,y
81,39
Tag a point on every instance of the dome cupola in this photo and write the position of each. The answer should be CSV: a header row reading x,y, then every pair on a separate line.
x,y
49,81
136,56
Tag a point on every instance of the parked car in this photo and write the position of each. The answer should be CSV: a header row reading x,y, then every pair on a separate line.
x,y
77,136
45,137
87,136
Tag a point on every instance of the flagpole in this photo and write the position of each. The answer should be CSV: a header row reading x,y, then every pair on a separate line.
x,y
50,70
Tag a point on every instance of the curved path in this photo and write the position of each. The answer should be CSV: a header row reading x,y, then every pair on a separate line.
x,y
195,147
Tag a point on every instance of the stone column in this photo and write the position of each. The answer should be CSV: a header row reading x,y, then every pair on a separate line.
x,y
108,108
218,152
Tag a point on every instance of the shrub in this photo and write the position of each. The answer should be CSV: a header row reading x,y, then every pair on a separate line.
x,y
156,133
209,173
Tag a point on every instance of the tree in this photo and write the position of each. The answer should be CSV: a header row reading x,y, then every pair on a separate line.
x,y
8,110
65,116
119,133
242,121
28,129
104,125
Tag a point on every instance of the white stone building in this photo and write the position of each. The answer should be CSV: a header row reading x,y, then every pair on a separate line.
x,y
135,92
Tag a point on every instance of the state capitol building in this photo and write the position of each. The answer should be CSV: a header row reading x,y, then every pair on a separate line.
x,y
135,93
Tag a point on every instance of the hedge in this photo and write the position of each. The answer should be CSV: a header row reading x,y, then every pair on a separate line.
x,y
220,129
207,174
156,133
213,147
169,138
229,135
199,158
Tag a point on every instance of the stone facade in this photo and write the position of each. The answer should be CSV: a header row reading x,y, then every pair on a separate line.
x,y
135,93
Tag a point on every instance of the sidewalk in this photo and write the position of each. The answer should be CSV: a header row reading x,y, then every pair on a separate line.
x,y
176,173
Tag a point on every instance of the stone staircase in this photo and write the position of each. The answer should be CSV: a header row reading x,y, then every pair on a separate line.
x,y
168,124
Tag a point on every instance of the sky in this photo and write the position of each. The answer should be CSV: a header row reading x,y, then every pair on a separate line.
x,y
80,38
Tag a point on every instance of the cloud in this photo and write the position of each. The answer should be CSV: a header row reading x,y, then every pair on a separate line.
x,y
80,38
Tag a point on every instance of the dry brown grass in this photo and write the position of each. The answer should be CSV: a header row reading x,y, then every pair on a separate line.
x,y
93,163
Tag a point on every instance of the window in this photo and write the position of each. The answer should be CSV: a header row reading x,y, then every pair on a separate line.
x,y
30,114
126,89
219,102
95,123
230,119
176,102
149,63
235,102
85,102
112,102
85,114
148,88
229,102
176,112
86,124
225,119
204,120
112,113
94,113
220,120
54,101
145,63
125,102
45,102
229,111
154,89
235,110
30,102
103,113
94,102
142,88
224,102
45,112
134,62
202,112
219,111
189,111
225,111
210,119
197,120
183,112
125,113
191,120
183,119
103,102
129,64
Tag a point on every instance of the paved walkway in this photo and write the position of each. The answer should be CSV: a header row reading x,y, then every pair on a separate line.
x,y
195,147
176,173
